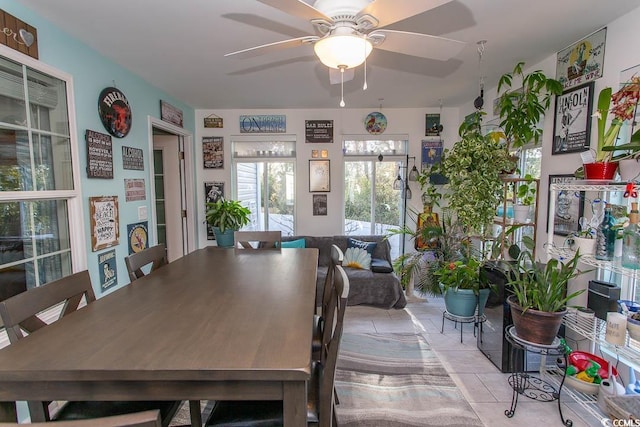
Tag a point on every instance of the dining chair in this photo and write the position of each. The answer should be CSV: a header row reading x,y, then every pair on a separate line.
x,y
320,390
257,239
137,419
155,255
20,315
335,259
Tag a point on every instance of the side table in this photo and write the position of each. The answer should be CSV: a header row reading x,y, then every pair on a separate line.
x,y
476,319
531,386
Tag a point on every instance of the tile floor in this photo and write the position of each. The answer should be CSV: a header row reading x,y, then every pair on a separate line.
x,y
484,386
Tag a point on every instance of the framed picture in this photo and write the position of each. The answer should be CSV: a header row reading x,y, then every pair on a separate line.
x,y
104,222
213,152
569,207
319,204
315,153
319,176
572,120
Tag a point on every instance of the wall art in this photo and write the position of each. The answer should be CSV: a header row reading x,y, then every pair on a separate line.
x,y
134,190
115,112
583,61
213,191
569,207
104,222
170,114
213,152
319,204
319,176
274,123
318,131
107,269
99,155
138,237
572,120
132,158
18,35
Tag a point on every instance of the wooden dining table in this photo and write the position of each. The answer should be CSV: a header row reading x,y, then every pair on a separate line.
x,y
216,324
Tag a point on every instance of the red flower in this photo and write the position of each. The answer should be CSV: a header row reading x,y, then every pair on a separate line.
x,y
452,266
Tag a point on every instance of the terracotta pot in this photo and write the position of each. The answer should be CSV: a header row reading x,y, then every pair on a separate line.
x,y
535,326
600,170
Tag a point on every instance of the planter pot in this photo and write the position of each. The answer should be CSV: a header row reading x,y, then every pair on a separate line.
x,y
463,302
535,326
629,169
224,240
600,170
521,213
586,246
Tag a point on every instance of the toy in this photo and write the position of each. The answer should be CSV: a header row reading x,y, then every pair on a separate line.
x,y
590,374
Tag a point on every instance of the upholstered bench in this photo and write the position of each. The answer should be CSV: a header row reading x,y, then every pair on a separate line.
x,y
377,286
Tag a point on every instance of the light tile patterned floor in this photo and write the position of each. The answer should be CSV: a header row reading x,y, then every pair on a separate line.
x,y
484,386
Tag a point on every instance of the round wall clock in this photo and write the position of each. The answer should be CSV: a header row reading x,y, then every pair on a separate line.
x,y
115,112
375,123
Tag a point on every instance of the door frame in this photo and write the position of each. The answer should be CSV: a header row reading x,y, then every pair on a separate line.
x,y
188,183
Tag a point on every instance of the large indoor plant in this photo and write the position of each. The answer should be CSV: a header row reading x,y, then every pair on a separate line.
x,y
473,167
540,298
225,217
522,102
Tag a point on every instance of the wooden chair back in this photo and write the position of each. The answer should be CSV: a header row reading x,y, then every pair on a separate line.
x,y
336,259
258,240
334,325
138,419
19,313
155,255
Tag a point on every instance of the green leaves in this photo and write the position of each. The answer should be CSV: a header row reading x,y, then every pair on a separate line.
x,y
227,214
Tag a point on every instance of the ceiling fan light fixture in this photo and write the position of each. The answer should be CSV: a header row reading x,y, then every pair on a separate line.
x,y
347,51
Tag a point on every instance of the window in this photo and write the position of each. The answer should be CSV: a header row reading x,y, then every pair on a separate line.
x,y
265,181
39,195
371,204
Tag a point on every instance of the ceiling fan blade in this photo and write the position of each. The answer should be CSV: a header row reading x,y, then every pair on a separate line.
x,y
273,47
297,8
420,45
389,11
335,77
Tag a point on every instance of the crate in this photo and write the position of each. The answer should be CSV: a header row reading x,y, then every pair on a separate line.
x,y
626,407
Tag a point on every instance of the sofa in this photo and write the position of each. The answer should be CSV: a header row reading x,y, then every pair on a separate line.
x,y
366,287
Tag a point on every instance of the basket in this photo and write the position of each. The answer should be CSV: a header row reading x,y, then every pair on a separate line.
x,y
625,407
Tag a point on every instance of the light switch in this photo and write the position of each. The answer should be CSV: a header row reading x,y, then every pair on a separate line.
x,y
142,213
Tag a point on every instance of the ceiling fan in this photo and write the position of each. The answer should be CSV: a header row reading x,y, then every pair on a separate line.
x,y
348,30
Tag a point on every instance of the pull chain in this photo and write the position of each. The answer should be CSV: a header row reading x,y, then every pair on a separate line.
x,y
342,104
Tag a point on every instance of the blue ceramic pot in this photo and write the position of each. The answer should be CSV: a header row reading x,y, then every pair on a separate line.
x,y
463,302
224,240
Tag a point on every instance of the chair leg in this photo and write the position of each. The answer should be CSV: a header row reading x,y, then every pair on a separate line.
x,y
195,412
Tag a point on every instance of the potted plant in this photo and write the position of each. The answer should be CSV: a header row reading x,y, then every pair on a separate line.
x,y
431,195
473,167
526,196
539,298
225,217
463,286
522,107
624,102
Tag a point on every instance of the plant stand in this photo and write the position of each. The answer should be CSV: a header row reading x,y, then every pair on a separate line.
x,y
476,320
531,386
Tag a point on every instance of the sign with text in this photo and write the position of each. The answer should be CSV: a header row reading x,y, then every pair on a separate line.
x,y
132,158
105,222
170,114
99,155
583,61
134,190
318,131
271,123
138,237
18,35
107,269
213,122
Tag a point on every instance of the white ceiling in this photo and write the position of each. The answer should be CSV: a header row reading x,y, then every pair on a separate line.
x,y
178,46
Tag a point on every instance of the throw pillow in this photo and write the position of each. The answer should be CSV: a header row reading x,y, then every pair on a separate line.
x,y
356,258
367,246
379,265
300,243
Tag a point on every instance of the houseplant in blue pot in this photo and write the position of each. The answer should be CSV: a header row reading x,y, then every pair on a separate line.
x,y
225,217
463,287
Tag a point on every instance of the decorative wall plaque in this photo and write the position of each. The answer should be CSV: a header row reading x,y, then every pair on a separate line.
x,y
273,123
134,190
170,114
18,35
108,270
99,155
318,130
105,222
132,158
138,237
115,112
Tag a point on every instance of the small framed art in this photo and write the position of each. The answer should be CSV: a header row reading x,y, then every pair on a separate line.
x,y
572,122
319,176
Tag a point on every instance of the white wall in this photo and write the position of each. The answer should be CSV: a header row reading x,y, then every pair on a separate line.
x,y
346,122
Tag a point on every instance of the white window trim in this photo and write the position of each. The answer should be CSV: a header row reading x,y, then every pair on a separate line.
x,y
74,197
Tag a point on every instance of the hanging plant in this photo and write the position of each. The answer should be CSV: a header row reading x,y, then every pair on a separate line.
x,y
473,168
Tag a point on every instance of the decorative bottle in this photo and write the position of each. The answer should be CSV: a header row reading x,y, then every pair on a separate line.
x,y
606,237
631,241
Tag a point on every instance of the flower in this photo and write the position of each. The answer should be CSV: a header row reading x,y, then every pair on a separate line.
x,y
624,102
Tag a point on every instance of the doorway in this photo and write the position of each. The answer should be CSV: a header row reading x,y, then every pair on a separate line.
x,y
171,169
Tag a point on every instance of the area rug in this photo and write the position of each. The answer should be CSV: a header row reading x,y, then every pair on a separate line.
x,y
394,380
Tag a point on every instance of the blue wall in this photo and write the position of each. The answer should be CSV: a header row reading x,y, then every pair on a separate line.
x,y
91,73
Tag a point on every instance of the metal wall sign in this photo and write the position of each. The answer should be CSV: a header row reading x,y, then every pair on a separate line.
x,y
105,222
134,190
138,237
115,112
213,122
132,158
18,35
583,61
318,131
99,155
273,123
170,114
108,270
